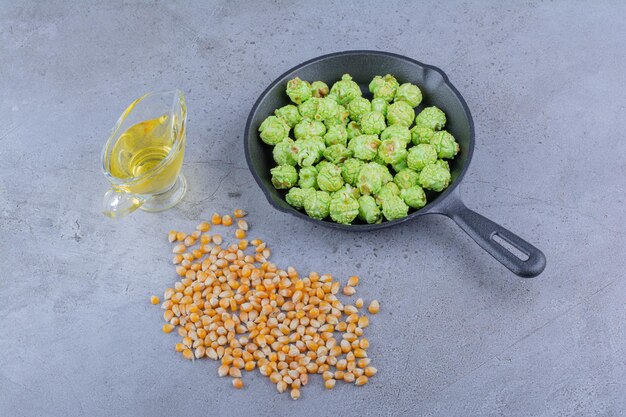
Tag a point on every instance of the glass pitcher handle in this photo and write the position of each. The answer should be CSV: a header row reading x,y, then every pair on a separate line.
x,y
118,203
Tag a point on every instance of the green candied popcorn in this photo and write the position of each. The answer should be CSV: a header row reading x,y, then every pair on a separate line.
x,y
406,178
379,160
443,164
399,166
308,109
409,93
308,151
341,118
421,155
296,196
273,130
343,207
387,191
394,208
372,123
431,117
298,91
401,113
445,144
399,132
329,177
336,135
346,90
284,176
364,147
317,204
392,150
369,180
328,109
368,210
337,154
308,127
319,89
380,105
435,177
358,107
284,152
414,196
350,170
385,175
322,164
289,114
353,130
421,134
384,87
308,177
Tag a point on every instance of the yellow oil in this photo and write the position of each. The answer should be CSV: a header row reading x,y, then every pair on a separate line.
x,y
138,153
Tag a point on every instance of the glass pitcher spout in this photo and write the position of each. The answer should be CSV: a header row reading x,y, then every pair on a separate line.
x,y
118,203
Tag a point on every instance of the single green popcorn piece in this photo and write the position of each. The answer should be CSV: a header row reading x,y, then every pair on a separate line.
x,y
353,130
384,87
432,118
369,211
346,90
369,180
409,93
399,166
307,128
406,178
308,151
295,197
385,175
443,164
414,196
273,130
372,123
341,118
329,177
343,207
421,155
319,89
364,147
397,131
400,112
446,146
387,191
308,109
284,176
322,164
350,170
394,208
284,152
337,154
308,177
380,105
435,177
317,204
336,135
421,134
298,91
358,107
328,109
289,114
392,151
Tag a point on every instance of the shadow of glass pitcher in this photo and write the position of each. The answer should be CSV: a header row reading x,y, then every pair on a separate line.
x,y
143,157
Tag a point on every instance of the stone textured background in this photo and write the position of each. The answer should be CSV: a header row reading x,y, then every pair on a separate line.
x,y
458,334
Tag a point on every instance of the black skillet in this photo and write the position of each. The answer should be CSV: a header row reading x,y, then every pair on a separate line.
x,y
438,91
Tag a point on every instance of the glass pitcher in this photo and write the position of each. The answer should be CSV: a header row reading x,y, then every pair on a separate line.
x,y
143,157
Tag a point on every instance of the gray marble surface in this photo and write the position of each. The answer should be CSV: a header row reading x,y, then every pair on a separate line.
x,y
458,334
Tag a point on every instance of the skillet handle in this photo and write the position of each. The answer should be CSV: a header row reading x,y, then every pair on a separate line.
x,y
489,236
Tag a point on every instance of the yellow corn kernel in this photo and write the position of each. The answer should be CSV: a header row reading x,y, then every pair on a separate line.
x,y
227,220
203,227
179,347
187,354
171,236
353,281
167,328
239,213
370,371
240,233
363,322
238,383
180,236
216,219
155,300
374,307
295,393
180,248
330,383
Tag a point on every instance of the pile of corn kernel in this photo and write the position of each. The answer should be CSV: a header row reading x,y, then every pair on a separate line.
x,y
231,304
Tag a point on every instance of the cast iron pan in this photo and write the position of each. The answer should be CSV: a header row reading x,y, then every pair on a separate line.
x,y
437,90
